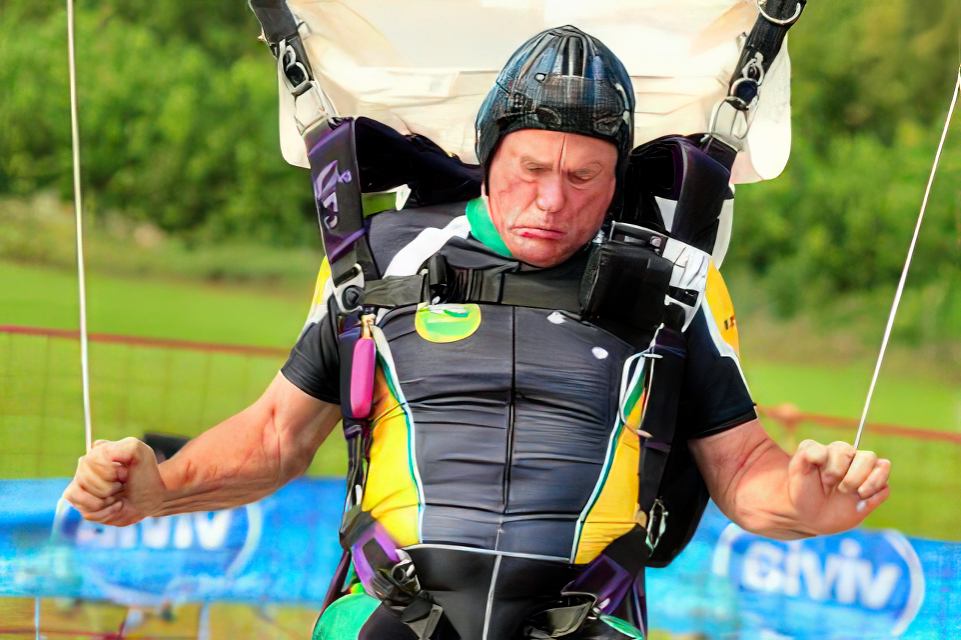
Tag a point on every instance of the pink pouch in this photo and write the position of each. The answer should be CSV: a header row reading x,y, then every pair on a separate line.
x,y
362,377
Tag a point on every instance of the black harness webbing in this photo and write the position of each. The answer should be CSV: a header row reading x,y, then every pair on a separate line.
x,y
632,552
660,413
723,141
762,46
555,288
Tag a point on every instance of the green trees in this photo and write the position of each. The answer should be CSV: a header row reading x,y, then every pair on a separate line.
x,y
871,83
178,120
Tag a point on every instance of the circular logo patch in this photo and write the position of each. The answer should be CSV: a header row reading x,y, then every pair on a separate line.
x,y
447,322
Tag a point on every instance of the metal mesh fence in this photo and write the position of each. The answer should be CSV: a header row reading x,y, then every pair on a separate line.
x,y
137,386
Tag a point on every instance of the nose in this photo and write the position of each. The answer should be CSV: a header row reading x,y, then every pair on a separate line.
x,y
551,194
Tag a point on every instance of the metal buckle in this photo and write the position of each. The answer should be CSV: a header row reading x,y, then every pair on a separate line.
x,y
656,523
355,497
349,293
736,129
783,23
755,65
405,574
634,234
296,74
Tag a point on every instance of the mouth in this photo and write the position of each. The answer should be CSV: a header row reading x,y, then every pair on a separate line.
x,y
539,233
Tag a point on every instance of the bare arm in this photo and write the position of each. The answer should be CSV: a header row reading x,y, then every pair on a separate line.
x,y
242,459
821,489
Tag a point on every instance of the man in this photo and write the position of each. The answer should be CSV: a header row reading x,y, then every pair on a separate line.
x,y
503,438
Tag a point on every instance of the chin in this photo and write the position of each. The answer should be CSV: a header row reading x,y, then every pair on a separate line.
x,y
542,257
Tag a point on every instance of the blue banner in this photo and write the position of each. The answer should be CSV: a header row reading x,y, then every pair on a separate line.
x,y
859,584
728,583
280,549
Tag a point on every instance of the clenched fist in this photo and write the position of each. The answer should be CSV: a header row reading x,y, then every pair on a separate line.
x,y
116,483
836,485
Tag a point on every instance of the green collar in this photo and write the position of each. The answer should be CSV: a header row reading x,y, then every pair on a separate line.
x,y
482,228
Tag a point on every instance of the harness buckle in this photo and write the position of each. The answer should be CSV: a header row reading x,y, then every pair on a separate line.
x,y
563,617
656,523
439,278
349,292
731,121
295,72
782,23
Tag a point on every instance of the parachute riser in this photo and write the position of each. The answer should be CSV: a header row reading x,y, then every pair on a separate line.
x,y
733,115
331,151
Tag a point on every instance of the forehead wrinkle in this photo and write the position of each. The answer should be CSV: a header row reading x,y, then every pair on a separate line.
x,y
527,158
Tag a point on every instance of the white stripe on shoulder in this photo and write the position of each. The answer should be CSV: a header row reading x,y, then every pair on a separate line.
x,y
428,242
723,347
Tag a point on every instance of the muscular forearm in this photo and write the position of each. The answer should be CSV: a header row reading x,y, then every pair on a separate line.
x,y
249,455
238,461
821,489
758,500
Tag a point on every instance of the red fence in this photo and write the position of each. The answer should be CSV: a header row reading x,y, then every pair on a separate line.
x,y
787,416
137,341
791,418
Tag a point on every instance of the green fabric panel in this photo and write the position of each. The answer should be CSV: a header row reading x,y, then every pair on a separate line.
x,y
482,228
377,202
622,626
635,393
344,618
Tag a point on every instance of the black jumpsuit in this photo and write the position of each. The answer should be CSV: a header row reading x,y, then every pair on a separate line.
x,y
504,451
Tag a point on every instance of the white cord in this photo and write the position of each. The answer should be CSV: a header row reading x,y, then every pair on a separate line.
x,y
626,387
907,264
61,508
78,215
36,617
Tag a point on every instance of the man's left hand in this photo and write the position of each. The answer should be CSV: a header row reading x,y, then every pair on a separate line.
x,y
834,487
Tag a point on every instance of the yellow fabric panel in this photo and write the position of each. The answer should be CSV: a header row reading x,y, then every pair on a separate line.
x,y
391,495
613,513
637,412
323,275
722,307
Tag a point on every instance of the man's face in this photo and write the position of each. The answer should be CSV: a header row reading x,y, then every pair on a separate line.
x,y
549,192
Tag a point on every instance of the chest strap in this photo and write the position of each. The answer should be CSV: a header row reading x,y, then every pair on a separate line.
x,y
554,288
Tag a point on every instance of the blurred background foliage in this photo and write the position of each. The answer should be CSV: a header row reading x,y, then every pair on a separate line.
x,y
869,96
178,119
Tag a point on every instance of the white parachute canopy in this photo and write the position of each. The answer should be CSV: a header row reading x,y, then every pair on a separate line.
x,y
424,66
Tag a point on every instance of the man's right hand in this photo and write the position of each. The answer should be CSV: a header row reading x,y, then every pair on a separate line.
x,y
116,483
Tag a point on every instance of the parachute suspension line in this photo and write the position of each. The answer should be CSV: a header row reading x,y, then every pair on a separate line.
x,y
61,509
907,263
36,617
78,215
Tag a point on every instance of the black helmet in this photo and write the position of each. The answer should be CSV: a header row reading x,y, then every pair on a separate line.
x,y
562,79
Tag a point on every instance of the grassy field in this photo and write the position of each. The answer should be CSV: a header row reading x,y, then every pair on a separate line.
x,y
222,313
67,619
134,389
138,389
